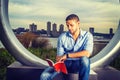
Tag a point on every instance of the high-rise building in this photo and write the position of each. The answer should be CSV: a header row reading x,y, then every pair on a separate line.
x,y
54,27
54,30
48,28
61,29
91,30
33,27
111,31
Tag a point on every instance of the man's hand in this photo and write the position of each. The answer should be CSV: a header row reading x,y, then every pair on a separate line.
x,y
61,58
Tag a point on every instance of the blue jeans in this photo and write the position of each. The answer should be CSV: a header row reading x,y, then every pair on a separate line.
x,y
80,66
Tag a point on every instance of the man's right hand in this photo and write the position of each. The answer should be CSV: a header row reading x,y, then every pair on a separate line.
x,y
61,58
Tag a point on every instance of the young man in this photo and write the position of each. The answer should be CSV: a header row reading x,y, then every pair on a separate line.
x,y
74,48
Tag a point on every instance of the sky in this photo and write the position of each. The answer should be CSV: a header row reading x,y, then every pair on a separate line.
x,y
100,14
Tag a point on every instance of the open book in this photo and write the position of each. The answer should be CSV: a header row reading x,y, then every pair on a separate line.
x,y
58,66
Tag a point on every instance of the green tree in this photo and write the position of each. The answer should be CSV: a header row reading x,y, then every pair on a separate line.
x,y
5,60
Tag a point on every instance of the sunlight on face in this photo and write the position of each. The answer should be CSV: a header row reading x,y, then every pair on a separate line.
x,y
72,26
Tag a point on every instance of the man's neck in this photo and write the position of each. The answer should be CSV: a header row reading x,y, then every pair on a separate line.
x,y
75,35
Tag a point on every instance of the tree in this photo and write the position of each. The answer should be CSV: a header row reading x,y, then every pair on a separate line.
x,y
40,43
26,38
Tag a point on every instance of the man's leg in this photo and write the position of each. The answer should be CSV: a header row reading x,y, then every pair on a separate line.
x,y
84,68
81,66
47,73
51,74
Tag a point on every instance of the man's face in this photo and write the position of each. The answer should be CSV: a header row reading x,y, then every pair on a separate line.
x,y
72,26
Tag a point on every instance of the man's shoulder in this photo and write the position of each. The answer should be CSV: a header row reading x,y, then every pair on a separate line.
x,y
63,35
83,32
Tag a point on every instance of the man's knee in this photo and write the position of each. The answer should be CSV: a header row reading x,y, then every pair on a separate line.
x,y
49,70
85,61
46,74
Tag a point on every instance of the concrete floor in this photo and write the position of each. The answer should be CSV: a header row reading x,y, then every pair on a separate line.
x,y
107,73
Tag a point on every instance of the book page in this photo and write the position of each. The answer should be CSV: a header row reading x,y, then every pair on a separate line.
x,y
50,62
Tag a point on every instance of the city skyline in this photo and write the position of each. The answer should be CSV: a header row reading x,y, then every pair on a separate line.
x,y
53,32
53,27
92,13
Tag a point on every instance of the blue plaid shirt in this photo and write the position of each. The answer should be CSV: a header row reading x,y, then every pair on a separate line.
x,y
66,44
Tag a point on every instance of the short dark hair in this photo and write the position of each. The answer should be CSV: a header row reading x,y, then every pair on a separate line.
x,y
72,16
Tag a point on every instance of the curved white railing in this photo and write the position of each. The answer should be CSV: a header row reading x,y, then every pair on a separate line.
x,y
106,55
22,55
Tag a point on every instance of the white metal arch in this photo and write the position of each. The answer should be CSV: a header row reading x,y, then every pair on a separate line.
x,y
12,44
21,54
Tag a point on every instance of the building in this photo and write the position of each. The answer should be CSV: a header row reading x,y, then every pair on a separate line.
x,y
61,29
19,30
91,30
33,27
54,27
111,31
48,28
54,30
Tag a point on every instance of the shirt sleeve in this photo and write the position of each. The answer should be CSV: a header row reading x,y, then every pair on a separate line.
x,y
89,43
60,48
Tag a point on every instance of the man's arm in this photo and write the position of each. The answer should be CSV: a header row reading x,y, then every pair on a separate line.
x,y
73,55
79,54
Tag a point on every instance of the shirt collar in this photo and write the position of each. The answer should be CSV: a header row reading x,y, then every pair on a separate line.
x,y
81,33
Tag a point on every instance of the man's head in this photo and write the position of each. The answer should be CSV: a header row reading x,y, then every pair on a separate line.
x,y
72,22
72,17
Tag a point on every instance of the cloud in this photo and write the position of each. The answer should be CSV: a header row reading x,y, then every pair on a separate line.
x,y
21,2
108,1
89,11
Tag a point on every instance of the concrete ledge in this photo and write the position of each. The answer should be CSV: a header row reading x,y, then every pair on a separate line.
x,y
74,76
17,71
107,73
93,75
70,76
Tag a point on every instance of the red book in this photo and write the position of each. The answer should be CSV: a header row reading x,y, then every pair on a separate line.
x,y
58,66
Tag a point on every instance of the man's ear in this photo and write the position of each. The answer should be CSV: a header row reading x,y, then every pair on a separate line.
x,y
78,22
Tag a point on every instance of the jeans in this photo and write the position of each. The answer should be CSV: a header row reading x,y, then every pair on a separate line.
x,y
80,66
48,74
